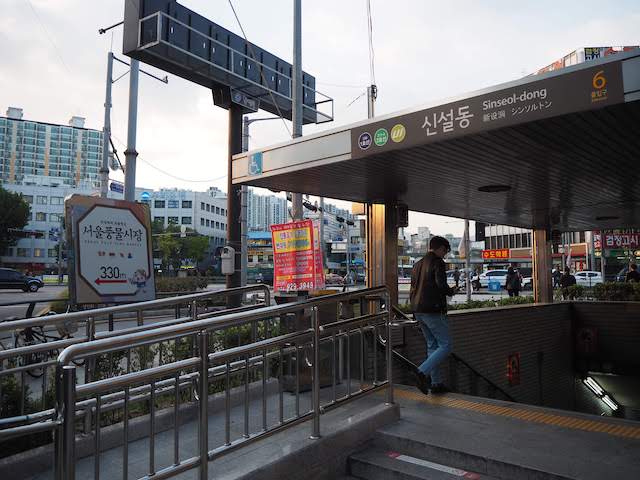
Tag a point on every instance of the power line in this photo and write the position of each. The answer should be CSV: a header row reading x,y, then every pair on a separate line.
x,y
170,174
49,37
261,72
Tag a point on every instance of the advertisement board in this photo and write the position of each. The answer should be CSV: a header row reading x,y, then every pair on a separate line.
x,y
502,254
297,259
109,250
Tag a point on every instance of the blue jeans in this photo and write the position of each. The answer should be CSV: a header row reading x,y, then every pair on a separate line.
x,y
435,328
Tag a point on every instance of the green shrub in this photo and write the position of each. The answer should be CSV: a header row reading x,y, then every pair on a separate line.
x,y
574,292
503,302
186,284
617,292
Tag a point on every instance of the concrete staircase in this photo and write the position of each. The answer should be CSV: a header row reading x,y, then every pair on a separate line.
x,y
432,441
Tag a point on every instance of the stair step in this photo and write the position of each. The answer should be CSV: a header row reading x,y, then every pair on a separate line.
x,y
380,464
403,437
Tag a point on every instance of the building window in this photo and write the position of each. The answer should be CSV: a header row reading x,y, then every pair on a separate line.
x,y
208,223
201,205
202,222
218,210
41,200
41,217
172,220
173,203
28,198
187,204
24,252
217,224
38,252
55,217
186,220
56,200
208,207
158,204
224,212
158,220
52,253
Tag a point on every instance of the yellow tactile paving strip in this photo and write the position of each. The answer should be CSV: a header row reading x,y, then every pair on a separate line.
x,y
524,414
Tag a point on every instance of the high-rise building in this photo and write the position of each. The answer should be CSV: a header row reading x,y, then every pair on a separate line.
x,y
70,153
265,210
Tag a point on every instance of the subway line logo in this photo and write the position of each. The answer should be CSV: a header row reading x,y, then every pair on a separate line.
x,y
398,133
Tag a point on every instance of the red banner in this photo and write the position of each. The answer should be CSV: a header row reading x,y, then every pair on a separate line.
x,y
297,258
502,253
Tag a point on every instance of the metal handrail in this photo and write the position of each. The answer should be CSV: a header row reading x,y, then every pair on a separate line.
x,y
201,364
457,358
132,307
167,333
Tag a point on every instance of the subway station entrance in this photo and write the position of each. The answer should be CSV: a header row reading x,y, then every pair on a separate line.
x,y
556,151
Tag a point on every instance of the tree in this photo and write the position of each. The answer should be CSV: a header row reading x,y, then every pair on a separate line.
x,y
174,248
14,216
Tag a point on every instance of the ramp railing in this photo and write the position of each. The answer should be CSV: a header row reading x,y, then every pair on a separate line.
x,y
31,346
301,347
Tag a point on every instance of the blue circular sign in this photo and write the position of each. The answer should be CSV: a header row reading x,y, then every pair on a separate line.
x,y
144,196
364,140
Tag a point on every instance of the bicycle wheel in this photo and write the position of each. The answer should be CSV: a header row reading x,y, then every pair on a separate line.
x,y
27,337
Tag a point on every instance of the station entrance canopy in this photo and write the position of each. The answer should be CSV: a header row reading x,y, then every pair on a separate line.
x,y
559,150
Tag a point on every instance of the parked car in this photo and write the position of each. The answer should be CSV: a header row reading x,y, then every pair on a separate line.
x,y
588,278
12,279
492,275
527,283
333,279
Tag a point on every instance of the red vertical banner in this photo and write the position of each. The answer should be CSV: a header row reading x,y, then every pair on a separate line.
x,y
318,264
297,263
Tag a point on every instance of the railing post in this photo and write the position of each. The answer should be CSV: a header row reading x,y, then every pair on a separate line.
x,y
67,410
315,321
203,430
387,304
89,369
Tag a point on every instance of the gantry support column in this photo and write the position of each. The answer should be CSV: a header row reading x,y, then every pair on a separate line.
x,y
382,248
541,256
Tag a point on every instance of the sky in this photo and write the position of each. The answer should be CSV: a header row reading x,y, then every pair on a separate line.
x,y
54,66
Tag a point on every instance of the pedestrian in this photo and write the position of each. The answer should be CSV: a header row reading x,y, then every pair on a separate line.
x,y
428,296
566,281
456,277
513,283
632,274
555,274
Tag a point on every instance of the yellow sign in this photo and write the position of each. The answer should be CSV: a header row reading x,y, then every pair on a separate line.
x,y
398,132
292,240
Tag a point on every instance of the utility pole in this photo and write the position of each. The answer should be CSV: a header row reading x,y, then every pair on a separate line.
x,y
467,259
106,130
372,94
130,153
296,198
244,193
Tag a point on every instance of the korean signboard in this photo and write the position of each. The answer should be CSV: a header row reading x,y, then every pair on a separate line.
x,y
629,241
110,250
501,254
548,97
297,258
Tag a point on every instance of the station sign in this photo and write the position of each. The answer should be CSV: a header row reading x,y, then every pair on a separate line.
x,y
109,250
502,254
297,257
580,90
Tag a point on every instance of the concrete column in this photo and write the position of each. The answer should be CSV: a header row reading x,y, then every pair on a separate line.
x,y
541,256
382,248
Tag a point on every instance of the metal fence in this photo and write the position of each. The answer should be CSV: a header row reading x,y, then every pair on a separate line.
x,y
30,347
287,355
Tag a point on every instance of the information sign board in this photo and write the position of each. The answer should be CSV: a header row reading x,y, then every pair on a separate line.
x,y
297,260
110,250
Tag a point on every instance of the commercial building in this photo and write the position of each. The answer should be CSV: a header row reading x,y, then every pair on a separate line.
x,y
71,153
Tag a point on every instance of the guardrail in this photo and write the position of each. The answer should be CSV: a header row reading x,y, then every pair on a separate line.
x,y
31,349
285,354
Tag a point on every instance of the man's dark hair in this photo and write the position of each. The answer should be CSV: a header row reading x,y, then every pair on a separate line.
x,y
567,270
437,242
633,266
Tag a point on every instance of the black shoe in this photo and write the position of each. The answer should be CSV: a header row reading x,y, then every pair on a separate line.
x,y
439,388
422,381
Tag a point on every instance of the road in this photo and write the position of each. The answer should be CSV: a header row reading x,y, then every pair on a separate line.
x,y
7,296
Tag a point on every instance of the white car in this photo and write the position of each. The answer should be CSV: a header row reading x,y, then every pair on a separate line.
x,y
527,283
492,275
588,278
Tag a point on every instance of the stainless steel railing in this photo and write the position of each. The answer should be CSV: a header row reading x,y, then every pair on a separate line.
x,y
267,360
24,365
